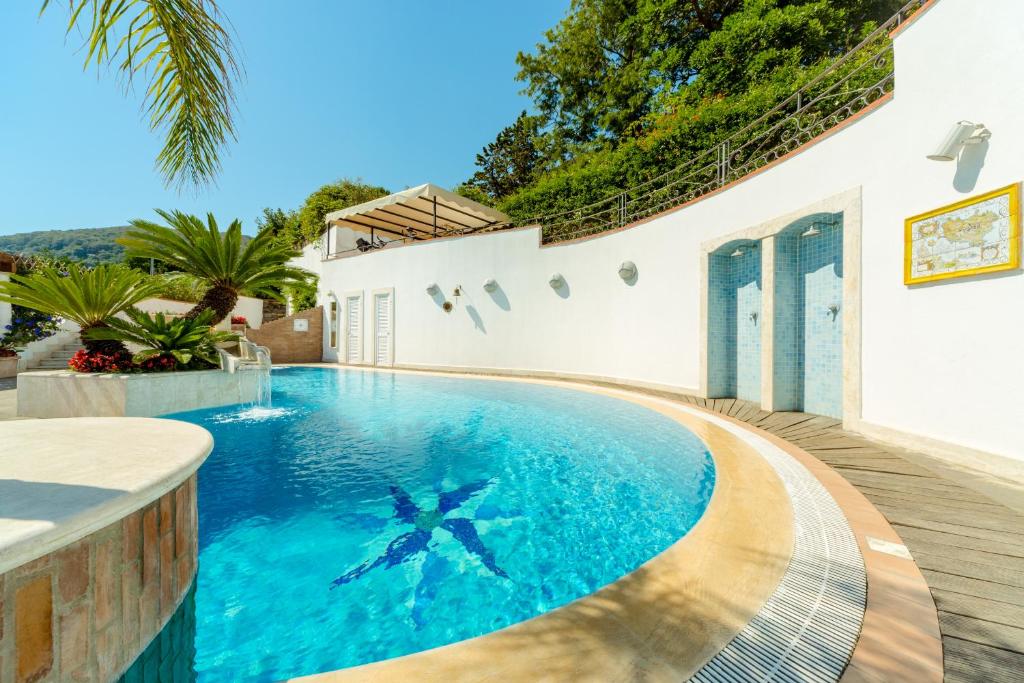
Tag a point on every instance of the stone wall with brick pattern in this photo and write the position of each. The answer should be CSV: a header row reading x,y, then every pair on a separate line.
x,y
86,611
288,346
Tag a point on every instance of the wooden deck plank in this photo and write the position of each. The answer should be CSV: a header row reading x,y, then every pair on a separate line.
x,y
1007,528
973,662
1010,638
966,585
966,565
981,609
912,499
915,537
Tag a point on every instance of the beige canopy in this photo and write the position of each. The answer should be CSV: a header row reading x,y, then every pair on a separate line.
x,y
419,213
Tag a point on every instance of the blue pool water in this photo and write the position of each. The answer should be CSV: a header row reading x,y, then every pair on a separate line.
x,y
370,515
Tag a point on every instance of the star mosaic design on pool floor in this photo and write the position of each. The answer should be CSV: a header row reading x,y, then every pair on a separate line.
x,y
410,544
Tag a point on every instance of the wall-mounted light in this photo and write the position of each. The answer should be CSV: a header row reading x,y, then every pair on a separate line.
x,y
490,285
556,281
963,133
433,289
627,270
457,292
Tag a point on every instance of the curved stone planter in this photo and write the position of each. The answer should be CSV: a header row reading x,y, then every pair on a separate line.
x,y
98,541
62,393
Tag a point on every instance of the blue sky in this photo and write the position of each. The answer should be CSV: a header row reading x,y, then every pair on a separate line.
x,y
395,92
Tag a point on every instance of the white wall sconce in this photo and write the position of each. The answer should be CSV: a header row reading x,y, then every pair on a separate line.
x,y
433,289
457,292
963,133
627,270
490,285
556,281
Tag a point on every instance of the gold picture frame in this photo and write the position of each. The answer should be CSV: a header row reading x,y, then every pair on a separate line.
x,y
977,235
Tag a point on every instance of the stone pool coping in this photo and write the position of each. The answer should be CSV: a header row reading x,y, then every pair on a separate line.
x,y
62,479
899,638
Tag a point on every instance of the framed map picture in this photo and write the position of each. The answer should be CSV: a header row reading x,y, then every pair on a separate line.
x,y
977,235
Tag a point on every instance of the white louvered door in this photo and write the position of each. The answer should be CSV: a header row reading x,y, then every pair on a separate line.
x,y
353,329
382,329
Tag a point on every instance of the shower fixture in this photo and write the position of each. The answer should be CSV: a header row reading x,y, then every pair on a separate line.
x,y
738,252
811,231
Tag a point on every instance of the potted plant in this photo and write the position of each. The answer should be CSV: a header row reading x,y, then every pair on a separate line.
x,y
239,324
8,361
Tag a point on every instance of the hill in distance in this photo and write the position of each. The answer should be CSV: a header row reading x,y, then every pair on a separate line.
x,y
91,246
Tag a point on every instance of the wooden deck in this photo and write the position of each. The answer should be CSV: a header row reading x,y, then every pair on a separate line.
x,y
969,547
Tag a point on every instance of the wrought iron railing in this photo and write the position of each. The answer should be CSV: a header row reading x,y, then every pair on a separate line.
x,y
847,86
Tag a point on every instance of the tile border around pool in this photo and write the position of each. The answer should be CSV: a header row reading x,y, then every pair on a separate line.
x,y
899,639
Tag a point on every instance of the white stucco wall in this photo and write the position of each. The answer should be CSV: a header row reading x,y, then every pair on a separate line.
x,y
940,361
247,306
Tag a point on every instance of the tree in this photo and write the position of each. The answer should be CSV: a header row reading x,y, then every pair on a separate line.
x,y
188,60
331,197
776,39
283,225
738,61
90,298
226,264
596,72
512,161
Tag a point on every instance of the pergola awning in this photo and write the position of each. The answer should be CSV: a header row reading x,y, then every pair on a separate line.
x,y
419,213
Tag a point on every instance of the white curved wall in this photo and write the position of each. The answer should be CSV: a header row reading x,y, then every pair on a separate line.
x,y
940,361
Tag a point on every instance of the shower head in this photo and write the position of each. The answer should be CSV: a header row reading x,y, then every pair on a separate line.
x,y
738,252
811,231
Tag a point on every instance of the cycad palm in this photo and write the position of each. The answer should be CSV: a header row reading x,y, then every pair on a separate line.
x,y
228,267
183,339
189,62
90,298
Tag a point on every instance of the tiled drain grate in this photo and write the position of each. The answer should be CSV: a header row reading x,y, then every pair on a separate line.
x,y
808,628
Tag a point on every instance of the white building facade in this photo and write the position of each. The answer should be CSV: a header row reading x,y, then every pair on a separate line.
x,y
936,366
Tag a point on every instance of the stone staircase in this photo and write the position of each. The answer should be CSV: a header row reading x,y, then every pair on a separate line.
x,y
58,358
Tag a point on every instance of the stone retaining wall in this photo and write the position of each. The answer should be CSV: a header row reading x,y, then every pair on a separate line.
x,y
288,345
86,611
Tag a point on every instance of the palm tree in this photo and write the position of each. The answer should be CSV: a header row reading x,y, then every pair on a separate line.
x,y
188,61
184,340
90,298
219,259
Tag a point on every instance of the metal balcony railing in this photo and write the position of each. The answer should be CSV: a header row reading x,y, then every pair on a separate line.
x,y
847,86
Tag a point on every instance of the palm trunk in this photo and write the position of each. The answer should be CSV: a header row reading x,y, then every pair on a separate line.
x,y
219,298
104,346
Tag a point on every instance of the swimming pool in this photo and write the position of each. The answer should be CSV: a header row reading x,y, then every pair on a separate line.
x,y
369,515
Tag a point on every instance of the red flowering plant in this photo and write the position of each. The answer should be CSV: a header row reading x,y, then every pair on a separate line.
x,y
239,320
99,361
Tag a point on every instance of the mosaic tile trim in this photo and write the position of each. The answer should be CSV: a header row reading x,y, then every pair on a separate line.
x,y
808,628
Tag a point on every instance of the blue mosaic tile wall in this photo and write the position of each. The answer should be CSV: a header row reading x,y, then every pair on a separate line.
x,y
808,334
734,324
821,269
788,331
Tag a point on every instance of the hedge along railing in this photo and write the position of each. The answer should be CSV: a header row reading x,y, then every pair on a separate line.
x,y
849,85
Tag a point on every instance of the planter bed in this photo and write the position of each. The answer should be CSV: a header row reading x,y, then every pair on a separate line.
x,y
61,393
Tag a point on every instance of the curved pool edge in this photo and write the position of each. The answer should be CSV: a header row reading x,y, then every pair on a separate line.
x,y
667,618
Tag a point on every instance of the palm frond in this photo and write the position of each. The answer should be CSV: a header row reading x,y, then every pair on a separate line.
x,y
218,258
86,297
183,338
188,60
